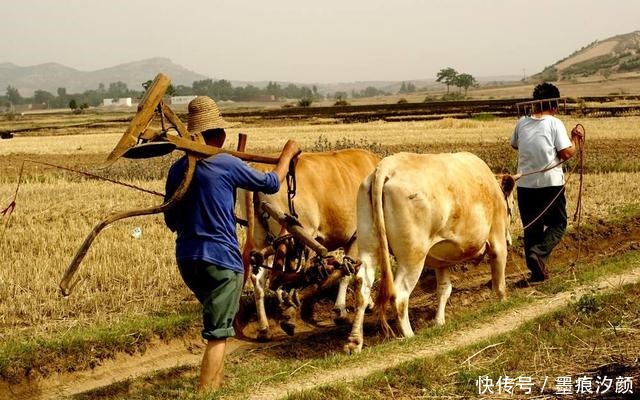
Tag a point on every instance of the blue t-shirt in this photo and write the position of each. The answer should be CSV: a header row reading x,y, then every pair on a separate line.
x,y
204,219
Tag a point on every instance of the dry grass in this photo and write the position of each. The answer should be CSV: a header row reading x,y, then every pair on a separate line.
x,y
121,274
124,276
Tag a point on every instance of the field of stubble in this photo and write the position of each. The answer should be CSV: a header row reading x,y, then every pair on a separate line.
x,y
126,279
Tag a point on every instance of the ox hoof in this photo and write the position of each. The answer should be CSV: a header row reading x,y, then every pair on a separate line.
x,y
354,346
263,335
340,316
288,327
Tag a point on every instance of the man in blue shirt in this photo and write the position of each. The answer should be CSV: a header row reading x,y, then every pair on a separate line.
x,y
207,249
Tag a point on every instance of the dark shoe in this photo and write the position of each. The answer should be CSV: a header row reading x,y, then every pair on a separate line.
x,y
538,268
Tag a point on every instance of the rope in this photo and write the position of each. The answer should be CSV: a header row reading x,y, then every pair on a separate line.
x,y
577,215
7,211
89,174
291,188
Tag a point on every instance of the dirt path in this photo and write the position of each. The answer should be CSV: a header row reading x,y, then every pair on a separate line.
x,y
501,324
159,356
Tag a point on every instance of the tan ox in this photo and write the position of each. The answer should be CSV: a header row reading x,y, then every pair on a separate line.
x,y
434,210
326,192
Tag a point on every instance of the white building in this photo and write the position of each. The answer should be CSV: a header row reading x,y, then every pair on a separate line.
x,y
121,102
175,100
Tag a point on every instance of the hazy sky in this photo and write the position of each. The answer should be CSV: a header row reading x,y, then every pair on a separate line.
x,y
311,41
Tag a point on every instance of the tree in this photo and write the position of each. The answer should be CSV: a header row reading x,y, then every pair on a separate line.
x,y
274,89
305,102
403,88
411,87
73,104
340,95
183,90
13,95
447,76
223,90
118,90
42,96
465,81
202,87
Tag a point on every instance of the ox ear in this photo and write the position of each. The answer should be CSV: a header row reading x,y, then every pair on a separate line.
x,y
507,183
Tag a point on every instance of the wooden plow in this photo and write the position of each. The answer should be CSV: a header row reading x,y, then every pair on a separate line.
x,y
296,283
140,140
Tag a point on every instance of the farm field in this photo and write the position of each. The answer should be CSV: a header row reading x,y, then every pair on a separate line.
x,y
131,296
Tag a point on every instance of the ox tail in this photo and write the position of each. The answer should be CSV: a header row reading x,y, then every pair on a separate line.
x,y
386,292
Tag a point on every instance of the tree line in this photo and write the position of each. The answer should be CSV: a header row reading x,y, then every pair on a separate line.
x,y
221,89
217,89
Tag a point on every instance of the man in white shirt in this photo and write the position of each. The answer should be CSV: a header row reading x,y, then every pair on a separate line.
x,y
541,140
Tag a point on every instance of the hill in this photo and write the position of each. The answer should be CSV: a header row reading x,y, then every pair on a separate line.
x,y
51,76
616,55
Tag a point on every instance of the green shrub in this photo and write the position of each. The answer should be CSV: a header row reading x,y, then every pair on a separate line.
x,y
304,102
484,117
453,96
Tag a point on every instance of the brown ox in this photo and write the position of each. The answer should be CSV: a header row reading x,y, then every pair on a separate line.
x,y
436,210
326,192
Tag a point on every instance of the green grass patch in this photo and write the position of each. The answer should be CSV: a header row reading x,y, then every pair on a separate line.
x,y
484,117
85,347
580,340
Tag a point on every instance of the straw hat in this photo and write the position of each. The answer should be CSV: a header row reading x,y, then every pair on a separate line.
x,y
204,115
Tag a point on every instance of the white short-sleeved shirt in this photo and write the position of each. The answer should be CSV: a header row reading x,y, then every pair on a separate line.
x,y
538,140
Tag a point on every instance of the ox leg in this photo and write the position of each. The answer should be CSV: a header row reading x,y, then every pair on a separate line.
x,y
258,281
443,279
406,279
340,306
363,283
497,253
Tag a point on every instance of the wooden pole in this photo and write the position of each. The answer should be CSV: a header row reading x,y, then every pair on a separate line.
x,y
294,227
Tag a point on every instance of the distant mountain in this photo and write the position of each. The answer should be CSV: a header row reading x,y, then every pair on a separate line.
x,y
616,55
51,76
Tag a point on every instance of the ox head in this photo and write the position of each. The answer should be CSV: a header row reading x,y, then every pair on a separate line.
x,y
507,184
